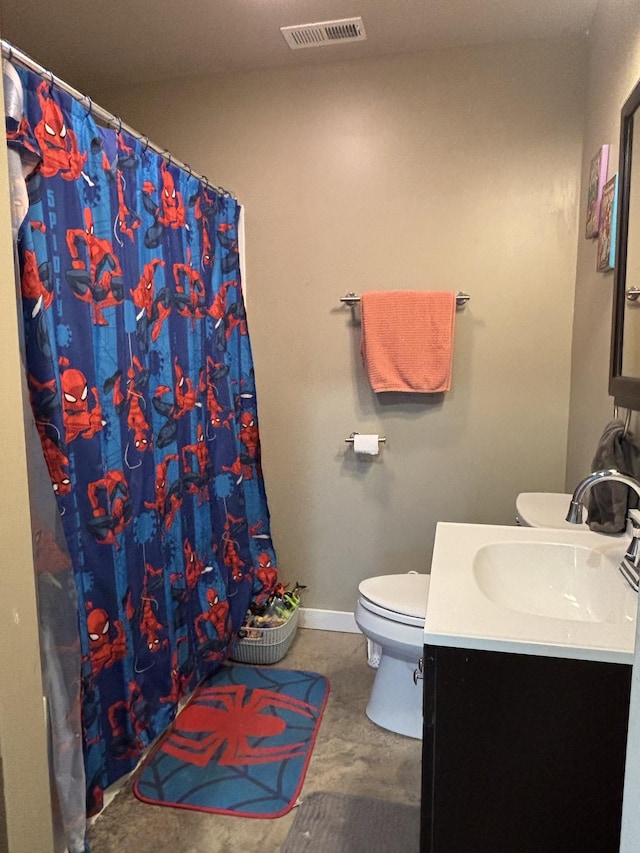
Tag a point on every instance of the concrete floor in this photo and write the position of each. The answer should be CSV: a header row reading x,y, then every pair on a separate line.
x,y
351,756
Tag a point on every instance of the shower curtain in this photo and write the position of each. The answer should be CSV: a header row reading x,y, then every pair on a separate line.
x,y
141,383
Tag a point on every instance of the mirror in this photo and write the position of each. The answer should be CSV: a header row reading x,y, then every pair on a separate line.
x,y
624,375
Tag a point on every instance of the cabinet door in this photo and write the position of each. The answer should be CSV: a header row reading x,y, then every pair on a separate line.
x,y
522,753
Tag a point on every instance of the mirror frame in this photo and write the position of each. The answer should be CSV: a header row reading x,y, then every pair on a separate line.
x,y
624,389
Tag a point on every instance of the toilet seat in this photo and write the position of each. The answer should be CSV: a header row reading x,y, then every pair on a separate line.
x,y
399,598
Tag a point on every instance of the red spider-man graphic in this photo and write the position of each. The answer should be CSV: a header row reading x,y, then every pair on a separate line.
x,y
218,307
96,279
230,553
190,297
168,213
249,434
206,258
216,615
266,575
238,470
181,675
36,281
186,396
57,463
77,418
196,482
224,721
150,627
227,319
58,144
206,386
127,220
143,293
154,308
146,613
168,498
185,400
173,210
193,565
134,710
132,400
104,650
111,507
32,284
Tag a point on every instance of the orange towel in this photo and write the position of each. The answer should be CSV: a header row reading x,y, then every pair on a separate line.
x,y
407,339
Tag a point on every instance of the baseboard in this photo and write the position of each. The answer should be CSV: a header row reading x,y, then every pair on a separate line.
x,y
328,620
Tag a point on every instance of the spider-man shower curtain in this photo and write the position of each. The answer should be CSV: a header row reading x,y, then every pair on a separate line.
x,y
140,375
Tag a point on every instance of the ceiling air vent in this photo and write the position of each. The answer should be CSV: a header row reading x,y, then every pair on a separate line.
x,y
327,32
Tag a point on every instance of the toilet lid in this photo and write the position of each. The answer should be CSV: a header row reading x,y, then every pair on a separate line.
x,y
402,596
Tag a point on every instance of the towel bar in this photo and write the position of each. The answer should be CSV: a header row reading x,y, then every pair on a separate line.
x,y
352,299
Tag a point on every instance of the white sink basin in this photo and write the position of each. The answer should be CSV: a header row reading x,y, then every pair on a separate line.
x,y
530,590
551,579
548,509
545,509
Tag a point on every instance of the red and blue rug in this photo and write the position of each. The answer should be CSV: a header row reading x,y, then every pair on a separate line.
x,y
241,746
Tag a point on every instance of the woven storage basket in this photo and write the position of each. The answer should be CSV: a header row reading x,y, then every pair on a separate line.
x,y
269,645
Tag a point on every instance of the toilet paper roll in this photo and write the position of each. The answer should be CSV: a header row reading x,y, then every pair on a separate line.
x,y
366,444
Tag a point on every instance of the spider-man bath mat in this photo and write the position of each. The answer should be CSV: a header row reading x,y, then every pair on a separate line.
x,y
241,746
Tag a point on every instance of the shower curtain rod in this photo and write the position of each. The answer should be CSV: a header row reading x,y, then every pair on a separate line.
x,y
13,54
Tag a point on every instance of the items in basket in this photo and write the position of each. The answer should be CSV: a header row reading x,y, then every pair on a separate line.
x,y
273,613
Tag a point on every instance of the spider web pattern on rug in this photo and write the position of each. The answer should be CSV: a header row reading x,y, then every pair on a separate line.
x,y
241,746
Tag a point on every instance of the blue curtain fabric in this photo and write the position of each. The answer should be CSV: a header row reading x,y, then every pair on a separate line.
x,y
141,379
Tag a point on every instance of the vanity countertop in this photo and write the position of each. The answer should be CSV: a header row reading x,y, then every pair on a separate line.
x,y
464,611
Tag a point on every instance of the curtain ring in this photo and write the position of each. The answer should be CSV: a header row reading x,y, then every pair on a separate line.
x,y
146,144
90,110
51,81
205,180
119,130
190,171
10,53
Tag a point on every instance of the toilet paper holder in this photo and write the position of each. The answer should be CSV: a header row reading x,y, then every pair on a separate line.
x,y
381,438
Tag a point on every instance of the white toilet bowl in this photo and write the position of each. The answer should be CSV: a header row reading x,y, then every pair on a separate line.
x,y
390,613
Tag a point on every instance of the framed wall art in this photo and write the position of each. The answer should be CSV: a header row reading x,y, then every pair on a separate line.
x,y
597,180
608,220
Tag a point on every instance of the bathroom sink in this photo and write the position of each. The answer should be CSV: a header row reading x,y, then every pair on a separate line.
x,y
544,509
530,590
556,580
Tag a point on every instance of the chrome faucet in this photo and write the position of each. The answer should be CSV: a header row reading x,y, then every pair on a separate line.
x,y
630,565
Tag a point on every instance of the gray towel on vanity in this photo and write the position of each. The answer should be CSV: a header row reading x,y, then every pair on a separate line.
x,y
607,503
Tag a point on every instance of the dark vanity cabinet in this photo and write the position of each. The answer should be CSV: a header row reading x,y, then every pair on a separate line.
x,y
522,754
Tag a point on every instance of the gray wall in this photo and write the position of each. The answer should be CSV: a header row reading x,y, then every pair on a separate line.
x,y
455,169
613,70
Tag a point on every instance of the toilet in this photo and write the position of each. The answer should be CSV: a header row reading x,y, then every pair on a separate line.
x,y
390,612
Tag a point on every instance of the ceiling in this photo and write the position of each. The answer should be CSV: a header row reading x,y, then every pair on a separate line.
x,y
95,45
